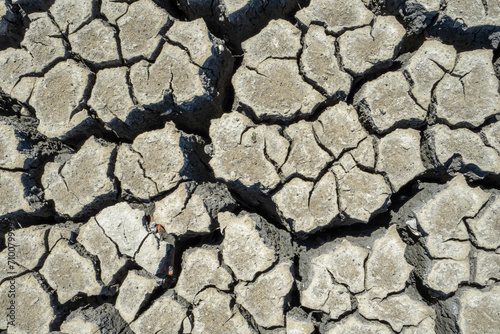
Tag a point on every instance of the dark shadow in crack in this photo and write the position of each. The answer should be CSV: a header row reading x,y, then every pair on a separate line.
x,y
244,22
192,116
464,38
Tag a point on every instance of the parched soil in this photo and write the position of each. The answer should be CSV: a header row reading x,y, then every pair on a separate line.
x,y
248,166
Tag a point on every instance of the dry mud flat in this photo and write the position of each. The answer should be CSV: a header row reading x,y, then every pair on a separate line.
x,y
318,166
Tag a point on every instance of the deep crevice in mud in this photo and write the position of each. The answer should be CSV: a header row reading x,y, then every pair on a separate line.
x,y
382,220
9,106
265,207
313,116
163,286
16,23
359,81
172,7
256,202
79,302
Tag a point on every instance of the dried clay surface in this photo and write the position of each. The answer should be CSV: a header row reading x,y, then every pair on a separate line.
x,y
249,166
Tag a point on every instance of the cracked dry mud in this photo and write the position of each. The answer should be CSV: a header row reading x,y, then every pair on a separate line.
x,y
318,166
